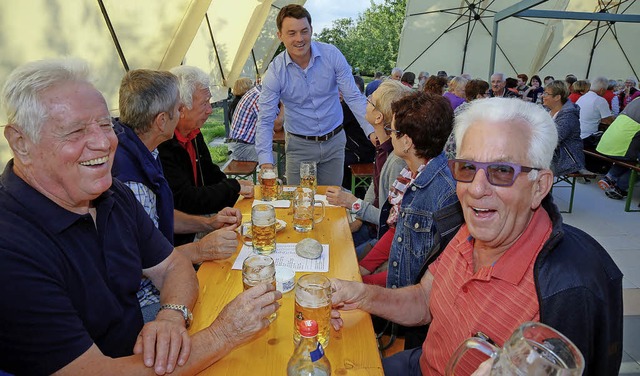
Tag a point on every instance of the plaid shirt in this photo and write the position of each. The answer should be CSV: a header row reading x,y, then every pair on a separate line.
x,y
243,124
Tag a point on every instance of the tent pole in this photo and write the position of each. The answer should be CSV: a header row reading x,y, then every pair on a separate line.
x,y
116,42
494,43
593,49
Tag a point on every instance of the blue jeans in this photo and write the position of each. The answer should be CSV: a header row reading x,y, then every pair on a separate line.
x,y
404,363
329,156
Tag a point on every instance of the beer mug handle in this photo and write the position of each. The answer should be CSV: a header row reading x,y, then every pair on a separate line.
x,y
322,216
243,229
473,343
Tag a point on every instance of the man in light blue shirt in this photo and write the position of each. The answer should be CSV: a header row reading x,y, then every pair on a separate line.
x,y
306,78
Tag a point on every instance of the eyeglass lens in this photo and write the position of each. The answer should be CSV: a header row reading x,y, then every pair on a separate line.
x,y
498,174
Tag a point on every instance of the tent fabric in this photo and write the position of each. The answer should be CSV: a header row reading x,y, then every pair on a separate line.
x,y
151,34
455,36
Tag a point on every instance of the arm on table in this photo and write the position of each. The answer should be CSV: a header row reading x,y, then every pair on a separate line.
x,y
186,223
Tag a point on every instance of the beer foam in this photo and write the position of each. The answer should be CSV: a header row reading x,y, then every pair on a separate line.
x,y
269,174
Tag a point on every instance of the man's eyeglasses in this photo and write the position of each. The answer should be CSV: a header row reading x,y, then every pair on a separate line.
x,y
371,102
389,130
501,174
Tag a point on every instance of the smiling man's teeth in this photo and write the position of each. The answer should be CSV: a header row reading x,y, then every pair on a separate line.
x,y
480,210
97,161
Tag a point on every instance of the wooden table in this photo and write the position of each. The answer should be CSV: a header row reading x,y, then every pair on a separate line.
x,y
351,351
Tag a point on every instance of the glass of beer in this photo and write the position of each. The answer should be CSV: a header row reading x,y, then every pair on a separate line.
x,y
308,176
313,302
257,269
270,185
304,205
263,228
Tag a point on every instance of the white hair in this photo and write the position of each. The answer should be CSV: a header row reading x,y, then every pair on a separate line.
x,y
22,92
599,83
498,74
190,79
397,70
544,135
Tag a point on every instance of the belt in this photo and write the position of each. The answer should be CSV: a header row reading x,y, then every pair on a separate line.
x,y
324,137
239,141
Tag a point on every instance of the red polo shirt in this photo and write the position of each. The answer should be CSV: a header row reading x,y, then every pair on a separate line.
x,y
494,300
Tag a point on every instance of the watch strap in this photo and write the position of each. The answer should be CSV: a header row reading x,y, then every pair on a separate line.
x,y
186,314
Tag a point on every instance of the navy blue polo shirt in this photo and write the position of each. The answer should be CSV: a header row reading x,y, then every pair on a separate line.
x,y
68,282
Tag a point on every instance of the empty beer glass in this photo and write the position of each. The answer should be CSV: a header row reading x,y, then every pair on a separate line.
x,y
257,269
308,176
263,228
313,302
270,185
304,209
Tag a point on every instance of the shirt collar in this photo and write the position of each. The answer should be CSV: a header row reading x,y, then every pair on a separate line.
x,y
190,136
315,52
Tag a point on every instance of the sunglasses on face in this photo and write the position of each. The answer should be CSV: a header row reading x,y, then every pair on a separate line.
x,y
500,174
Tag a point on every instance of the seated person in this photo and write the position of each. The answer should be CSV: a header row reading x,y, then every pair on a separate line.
x,y
512,261
75,241
498,87
421,125
387,165
475,89
621,141
435,85
239,89
568,156
578,89
149,102
534,91
242,139
198,185
456,92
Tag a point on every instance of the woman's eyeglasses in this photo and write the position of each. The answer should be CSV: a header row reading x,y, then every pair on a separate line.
x,y
371,102
389,130
501,174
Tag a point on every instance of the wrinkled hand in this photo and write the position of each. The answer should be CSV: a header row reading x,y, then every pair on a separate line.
x,y
247,314
246,188
229,217
163,342
336,196
218,245
484,369
355,225
346,296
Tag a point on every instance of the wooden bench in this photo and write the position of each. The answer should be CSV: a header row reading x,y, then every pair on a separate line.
x,y
241,170
361,175
571,180
634,167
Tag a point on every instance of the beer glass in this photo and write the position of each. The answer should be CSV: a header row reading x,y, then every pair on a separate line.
x,y
263,228
304,206
313,302
533,349
308,176
257,269
270,185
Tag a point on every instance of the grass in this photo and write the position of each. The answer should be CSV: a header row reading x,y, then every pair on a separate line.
x,y
214,128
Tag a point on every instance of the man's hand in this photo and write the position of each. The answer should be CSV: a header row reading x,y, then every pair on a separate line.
x,y
266,165
229,217
163,342
355,225
373,138
246,188
217,245
346,296
247,314
336,196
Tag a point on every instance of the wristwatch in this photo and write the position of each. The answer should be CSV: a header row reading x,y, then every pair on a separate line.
x,y
188,316
356,206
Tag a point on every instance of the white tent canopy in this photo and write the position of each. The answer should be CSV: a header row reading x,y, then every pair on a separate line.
x,y
116,35
455,36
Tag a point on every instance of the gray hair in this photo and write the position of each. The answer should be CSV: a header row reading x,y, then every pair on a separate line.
x,y
190,79
498,74
599,83
144,94
22,92
544,135
456,82
397,70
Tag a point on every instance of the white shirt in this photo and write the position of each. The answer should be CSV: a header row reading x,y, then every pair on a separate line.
x,y
593,108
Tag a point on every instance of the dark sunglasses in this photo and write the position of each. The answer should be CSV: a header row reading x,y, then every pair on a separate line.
x,y
501,174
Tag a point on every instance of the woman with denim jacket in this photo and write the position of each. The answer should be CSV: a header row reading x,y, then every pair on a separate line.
x,y
420,127
568,156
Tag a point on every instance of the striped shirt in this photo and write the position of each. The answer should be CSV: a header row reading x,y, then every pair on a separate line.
x,y
243,124
495,300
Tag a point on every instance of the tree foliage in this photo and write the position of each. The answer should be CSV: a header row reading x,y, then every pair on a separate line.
x,y
371,42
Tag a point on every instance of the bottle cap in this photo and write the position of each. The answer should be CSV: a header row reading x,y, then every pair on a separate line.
x,y
308,328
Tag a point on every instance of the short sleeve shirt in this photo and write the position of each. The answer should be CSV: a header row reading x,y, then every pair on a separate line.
x,y
70,281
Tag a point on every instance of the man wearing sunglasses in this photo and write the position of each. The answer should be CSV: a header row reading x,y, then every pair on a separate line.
x,y
512,261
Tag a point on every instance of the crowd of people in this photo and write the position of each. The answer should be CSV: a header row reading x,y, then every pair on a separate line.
x,y
457,234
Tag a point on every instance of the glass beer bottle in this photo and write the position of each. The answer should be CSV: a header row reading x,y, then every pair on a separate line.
x,y
308,358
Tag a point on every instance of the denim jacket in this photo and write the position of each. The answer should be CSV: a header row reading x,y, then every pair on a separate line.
x,y
433,190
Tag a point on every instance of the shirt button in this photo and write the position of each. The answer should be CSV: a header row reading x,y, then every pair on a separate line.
x,y
399,239
395,263
465,289
394,286
413,188
417,225
402,215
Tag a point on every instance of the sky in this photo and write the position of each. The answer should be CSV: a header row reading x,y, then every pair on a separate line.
x,y
323,12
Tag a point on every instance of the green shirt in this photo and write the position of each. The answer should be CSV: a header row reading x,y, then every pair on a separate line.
x,y
616,139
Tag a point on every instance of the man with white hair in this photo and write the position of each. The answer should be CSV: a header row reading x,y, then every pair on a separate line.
x,y
594,109
396,74
74,242
512,261
422,78
498,87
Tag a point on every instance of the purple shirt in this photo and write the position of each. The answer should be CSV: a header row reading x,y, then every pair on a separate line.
x,y
454,99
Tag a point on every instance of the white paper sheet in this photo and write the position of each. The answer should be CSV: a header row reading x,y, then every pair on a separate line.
x,y
323,198
275,203
285,255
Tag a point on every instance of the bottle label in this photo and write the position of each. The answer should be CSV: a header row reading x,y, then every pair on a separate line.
x,y
317,354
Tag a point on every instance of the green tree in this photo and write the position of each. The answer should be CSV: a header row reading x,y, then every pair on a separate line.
x,y
370,43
